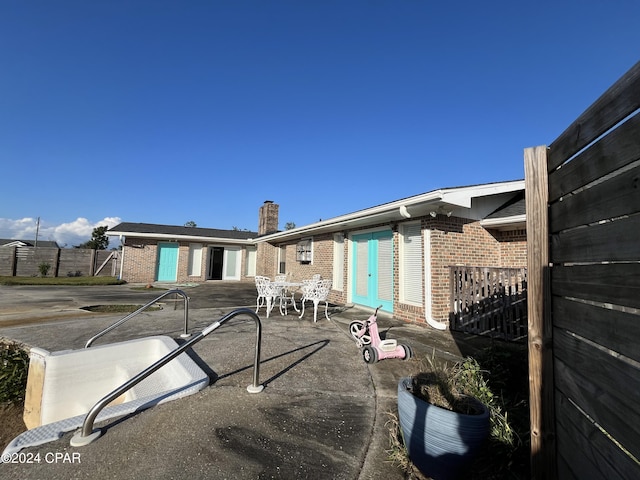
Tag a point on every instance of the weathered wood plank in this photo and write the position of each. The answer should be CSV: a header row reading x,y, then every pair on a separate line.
x,y
620,100
541,391
605,370
613,329
604,387
618,284
587,450
613,198
616,150
564,471
613,415
615,241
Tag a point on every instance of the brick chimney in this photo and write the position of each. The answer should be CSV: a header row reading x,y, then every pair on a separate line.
x,y
268,218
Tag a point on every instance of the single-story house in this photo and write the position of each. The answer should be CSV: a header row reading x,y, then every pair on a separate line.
x,y
168,253
399,254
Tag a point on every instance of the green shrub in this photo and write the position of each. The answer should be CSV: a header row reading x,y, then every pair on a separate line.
x,y
14,366
498,377
44,268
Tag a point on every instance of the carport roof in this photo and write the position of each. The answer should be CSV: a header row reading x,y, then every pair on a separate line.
x,y
150,230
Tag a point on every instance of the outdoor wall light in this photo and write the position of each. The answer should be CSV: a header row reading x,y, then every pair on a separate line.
x,y
433,214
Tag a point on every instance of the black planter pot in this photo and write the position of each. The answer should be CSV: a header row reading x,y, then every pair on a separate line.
x,y
441,443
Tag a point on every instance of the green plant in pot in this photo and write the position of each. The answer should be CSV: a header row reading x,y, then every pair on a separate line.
x,y
443,424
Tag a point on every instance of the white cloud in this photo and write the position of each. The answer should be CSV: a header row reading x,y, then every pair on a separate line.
x,y
66,234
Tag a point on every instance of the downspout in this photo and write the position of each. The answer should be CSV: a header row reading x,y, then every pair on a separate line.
x,y
122,240
427,287
435,324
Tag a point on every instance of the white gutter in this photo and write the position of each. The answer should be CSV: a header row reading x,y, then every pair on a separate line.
x,y
192,238
370,213
503,222
460,197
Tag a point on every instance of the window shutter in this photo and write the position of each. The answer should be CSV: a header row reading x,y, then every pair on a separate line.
x,y
362,267
412,264
338,261
385,268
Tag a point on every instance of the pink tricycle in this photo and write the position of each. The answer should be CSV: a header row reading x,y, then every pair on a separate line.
x,y
373,348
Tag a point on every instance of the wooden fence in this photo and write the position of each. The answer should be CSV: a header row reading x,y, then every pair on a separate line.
x,y
583,222
62,262
489,301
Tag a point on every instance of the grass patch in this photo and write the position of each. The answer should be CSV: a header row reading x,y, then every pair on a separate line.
x,y
119,308
77,281
151,288
14,365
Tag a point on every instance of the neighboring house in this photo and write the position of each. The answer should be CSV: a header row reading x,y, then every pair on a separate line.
x,y
27,243
167,253
398,254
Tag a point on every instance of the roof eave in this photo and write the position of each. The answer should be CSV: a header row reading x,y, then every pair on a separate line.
x,y
191,238
512,222
399,210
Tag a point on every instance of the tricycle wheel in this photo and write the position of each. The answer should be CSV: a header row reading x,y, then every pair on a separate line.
x,y
408,353
369,354
354,328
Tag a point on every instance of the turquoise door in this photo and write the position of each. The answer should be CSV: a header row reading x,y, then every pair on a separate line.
x,y
167,262
373,270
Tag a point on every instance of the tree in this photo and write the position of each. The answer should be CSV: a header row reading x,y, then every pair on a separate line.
x,y
99,239
190,223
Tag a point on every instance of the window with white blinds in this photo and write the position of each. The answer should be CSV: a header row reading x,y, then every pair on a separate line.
x,y
385,269
194,267
362,267
411,264
338,262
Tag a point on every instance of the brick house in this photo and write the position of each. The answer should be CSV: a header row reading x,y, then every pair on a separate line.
x,y
168,253
398,254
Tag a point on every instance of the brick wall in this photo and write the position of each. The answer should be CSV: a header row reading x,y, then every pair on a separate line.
x,y
322,263
454,241
139,265
513,248
141,256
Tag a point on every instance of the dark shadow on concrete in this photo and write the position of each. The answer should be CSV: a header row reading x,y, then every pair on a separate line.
x,y
320,345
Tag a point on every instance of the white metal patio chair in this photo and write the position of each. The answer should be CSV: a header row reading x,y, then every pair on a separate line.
x,y
316,292
267,293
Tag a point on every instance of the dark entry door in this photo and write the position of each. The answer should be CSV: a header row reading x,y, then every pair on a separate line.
x,y
216,261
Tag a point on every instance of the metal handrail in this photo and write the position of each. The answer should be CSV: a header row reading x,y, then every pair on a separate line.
x,y
86,435
140,310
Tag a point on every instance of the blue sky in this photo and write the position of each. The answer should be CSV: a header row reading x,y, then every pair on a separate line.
x,y
175,111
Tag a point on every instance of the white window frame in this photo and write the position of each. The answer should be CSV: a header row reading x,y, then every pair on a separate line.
x,y
338,262
282,259
411,264
304,250
251,255
195,260
228,265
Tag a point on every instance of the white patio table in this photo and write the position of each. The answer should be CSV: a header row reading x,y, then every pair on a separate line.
x,y
290,289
